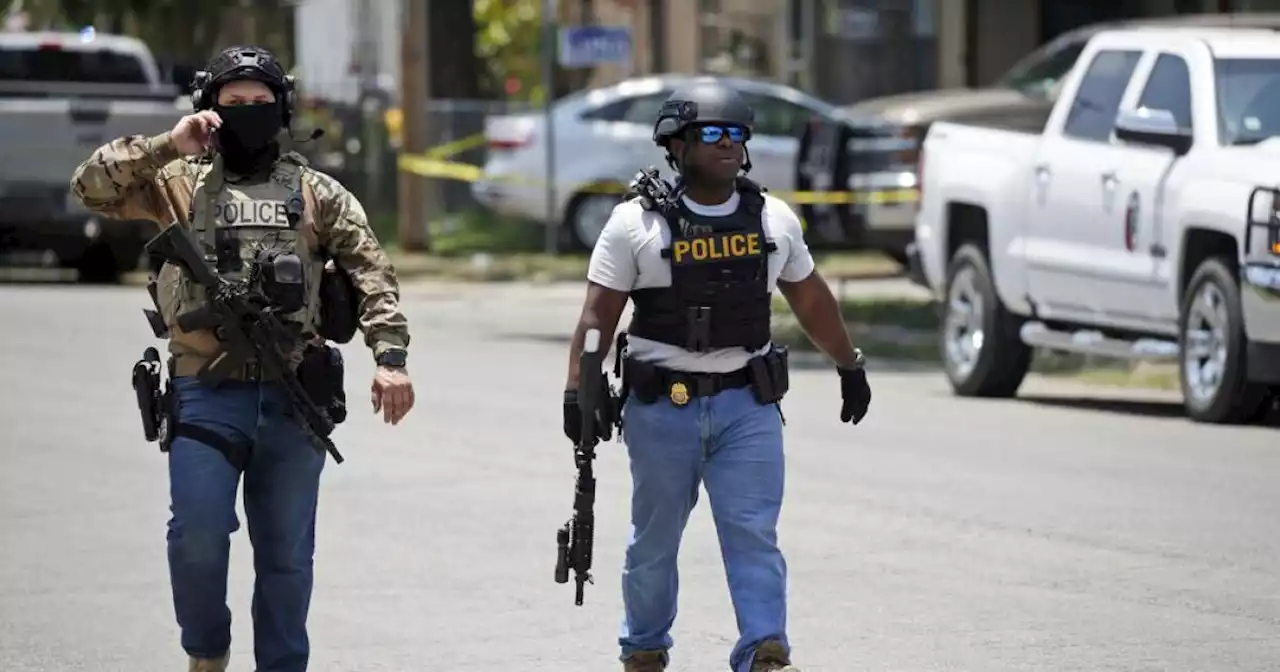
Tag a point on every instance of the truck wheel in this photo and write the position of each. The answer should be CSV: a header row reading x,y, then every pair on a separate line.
x,y
98,265
1215,387
586,218
982,352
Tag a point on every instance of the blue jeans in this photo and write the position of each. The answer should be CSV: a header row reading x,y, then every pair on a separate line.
x,y
733,445
281,484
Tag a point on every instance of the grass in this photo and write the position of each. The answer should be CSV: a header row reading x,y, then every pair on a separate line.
x,y
476,246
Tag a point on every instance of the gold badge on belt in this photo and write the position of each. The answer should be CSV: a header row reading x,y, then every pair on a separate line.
x,y
679,394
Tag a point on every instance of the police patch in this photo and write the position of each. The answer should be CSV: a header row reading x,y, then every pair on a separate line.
x,y
716,248
267,213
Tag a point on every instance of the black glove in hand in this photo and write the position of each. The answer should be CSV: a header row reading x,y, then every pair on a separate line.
x,y
573,419
572,416
854,393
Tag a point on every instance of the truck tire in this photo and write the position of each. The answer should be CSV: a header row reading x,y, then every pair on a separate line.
x,y
98,266
1211,362
982,352
586,217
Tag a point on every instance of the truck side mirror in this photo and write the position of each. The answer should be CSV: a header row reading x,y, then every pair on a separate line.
x,y
1157,127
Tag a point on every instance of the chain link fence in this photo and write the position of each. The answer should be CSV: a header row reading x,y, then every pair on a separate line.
x,y
361,145
455,132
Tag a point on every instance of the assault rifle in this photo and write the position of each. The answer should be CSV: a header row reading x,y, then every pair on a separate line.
x,y
574,541
247,323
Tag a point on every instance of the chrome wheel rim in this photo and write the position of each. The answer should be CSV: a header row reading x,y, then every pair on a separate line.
x,y
1204,351
963,331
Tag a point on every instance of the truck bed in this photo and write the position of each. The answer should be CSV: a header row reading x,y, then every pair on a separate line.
x,y
44,137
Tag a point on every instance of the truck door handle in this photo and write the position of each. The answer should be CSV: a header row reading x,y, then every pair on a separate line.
x,y
1109,180
1042,173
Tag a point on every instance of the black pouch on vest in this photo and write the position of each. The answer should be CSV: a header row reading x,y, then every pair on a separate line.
x,y
643,380
338,310
321,375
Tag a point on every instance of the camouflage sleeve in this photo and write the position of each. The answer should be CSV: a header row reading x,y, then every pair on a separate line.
x,y
118,179
344,231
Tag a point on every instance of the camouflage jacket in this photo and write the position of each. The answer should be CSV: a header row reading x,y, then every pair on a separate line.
x,y
141,178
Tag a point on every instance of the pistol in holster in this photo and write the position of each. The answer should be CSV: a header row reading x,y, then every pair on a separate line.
x,y
155,402
769,375
321,374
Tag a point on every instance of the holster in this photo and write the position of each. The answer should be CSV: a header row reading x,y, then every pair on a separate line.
x,y
156,404
769,375
642,380
321,374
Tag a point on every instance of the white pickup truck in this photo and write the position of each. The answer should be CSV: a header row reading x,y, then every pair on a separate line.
x,y
1139,220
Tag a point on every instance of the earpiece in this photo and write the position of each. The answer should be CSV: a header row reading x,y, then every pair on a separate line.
x,y
199,91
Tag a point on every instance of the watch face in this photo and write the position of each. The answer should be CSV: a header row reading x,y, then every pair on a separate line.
x,y
393,358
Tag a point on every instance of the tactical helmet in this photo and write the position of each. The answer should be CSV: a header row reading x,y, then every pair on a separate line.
x,y
705,101
243,62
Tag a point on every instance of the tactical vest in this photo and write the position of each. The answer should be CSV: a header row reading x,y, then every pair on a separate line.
x,y
719,295
233,223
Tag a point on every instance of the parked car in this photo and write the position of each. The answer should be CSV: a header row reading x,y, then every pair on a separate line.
x,y
603,136
61,96
1140,222
881,137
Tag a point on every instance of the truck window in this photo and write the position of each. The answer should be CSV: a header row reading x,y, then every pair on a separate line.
x,y
1093,112
775,116
58,64
1169,88
1248,92
1040,72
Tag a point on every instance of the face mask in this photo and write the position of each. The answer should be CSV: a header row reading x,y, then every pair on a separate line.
x,y
248,132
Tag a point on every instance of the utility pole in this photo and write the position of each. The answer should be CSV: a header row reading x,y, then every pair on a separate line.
x,y
657,36
412,223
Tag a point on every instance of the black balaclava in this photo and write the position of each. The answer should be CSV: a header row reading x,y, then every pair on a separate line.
x,y
247,138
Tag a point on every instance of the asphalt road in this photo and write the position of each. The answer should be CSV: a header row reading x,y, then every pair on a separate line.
x,y
1054,532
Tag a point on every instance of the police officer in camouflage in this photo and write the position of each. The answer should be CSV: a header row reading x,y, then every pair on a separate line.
x,y
701,380
222,174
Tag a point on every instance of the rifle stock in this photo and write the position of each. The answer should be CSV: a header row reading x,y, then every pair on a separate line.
x,y
175,246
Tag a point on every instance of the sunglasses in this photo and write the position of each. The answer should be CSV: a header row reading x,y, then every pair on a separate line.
x,y
710,135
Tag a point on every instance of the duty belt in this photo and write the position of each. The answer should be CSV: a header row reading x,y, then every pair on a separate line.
x,y
681,386
190,365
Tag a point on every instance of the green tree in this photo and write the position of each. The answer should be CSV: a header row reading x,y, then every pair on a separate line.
x,y
508,35
509,44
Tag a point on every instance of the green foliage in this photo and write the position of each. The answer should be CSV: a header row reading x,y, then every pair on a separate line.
x,y
508,40
472,232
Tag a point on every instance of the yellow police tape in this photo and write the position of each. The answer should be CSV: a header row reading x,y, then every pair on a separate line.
x,y
451,149
430,165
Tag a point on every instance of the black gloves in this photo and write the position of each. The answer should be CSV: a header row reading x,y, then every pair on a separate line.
x,y
854,393
573,418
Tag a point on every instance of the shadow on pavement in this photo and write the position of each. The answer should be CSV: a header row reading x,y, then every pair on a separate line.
x,y
1151,409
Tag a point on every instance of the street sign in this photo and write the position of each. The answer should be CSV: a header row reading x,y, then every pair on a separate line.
x,y
585,46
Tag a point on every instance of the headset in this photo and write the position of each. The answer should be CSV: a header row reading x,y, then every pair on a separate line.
x,y
244,63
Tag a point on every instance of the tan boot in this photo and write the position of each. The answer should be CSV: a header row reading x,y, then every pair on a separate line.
x,y
771,656
645,661
209,664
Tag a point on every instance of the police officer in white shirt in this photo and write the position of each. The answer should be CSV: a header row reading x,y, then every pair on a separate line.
x,y
701,380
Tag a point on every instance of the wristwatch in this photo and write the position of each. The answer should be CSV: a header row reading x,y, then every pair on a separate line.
x,y
395,358
859,361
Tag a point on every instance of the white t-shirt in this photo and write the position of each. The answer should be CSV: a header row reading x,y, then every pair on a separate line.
x,y
628,255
